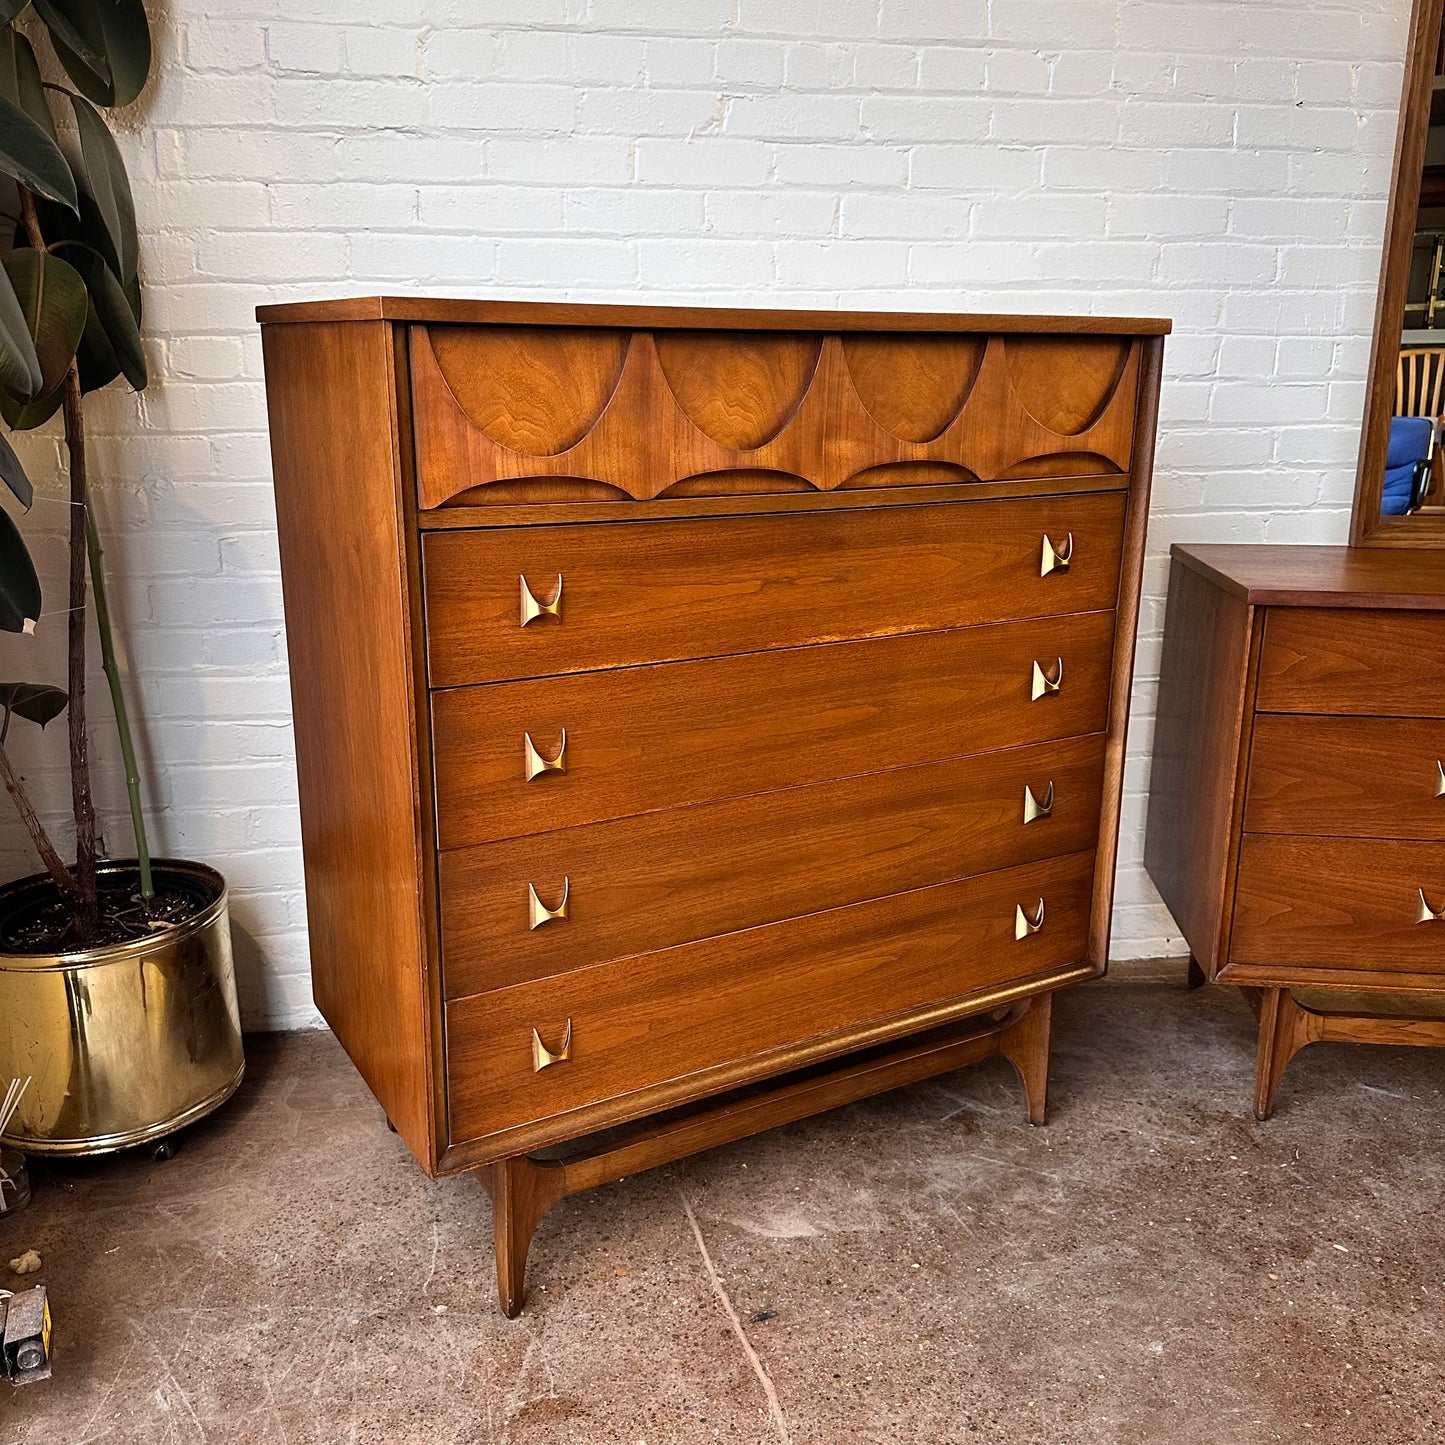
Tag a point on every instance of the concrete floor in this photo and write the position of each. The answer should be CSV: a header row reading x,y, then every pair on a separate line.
x,y
1152,1267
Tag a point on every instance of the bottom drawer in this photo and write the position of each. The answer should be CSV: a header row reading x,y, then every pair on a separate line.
x,y
1339,903
646,1020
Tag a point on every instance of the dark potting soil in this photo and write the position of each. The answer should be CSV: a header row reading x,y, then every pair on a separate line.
x,y
45,923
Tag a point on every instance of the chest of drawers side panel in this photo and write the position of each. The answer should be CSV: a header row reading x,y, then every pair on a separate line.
x,y
1201,740
336,461
1126,631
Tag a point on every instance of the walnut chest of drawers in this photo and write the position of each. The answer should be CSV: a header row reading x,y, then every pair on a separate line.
x,y
702,717
1297,804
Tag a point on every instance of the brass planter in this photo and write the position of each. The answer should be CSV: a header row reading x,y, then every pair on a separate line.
x,y
125,1043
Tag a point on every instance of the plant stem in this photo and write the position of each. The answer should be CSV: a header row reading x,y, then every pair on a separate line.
x,y
82,804
117,698
59,874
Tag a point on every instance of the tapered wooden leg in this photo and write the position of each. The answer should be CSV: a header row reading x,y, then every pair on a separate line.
x,y
522,1192
1026,1047
1284,1029
1197,977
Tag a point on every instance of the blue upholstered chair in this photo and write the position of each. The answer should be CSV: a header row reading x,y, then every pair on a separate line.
x,y
1407,464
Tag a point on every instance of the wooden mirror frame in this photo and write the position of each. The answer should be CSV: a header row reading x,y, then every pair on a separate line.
x,y
1367,527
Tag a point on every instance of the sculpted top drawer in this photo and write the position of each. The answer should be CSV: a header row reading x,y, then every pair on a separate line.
x,y
530,601
1343,660
556,414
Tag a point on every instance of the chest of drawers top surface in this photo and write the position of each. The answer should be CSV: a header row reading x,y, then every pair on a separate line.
x,y
1282,576
707,693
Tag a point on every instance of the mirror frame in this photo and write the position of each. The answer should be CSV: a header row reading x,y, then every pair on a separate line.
x,y
1367,527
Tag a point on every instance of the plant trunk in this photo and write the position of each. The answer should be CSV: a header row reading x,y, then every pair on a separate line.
x,y
117,699
59,874
81,802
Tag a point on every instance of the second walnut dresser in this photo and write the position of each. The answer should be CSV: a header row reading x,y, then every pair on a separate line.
x,y
702,718
1297,805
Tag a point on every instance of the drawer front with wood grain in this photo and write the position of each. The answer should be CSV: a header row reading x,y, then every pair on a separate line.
x,y
526,908
1353,661
644,1021
516,602
526,757
520,413
1361,903
1347,777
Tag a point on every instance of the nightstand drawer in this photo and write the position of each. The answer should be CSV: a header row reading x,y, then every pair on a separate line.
x,y
1353,661
1347,777
640,884
639,1022
633,740
1352,903
515,602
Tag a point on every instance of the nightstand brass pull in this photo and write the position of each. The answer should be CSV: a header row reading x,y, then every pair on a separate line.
x,y
1056,559
1043,683
543,1057
532,609
533,763
1439,778
1033,808
1426,914
1023,924
538,913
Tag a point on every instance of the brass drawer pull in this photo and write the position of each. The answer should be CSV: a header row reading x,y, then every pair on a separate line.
x,y
1439,778
543,1057
535,764
1043,683
532,609
538,913
1426,914
1033,808
1056,559
1023,924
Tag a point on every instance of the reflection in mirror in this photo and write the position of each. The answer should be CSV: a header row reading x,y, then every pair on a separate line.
x,y
1414,481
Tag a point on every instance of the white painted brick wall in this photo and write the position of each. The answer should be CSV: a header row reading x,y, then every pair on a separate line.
x,y
1222,163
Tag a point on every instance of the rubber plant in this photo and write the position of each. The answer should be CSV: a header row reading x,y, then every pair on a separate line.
x,y
70,313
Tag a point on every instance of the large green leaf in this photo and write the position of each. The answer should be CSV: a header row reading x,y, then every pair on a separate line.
x,y
34,701
32,158
54,301
104,45
26,416
111,342
104,180
13,475
19,365
20,80
19,586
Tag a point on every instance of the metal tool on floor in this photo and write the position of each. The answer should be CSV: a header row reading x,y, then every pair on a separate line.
x,y
25,1336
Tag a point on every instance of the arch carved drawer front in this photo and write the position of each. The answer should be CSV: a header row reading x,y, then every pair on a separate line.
x,y
703,718
662,591
517,414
